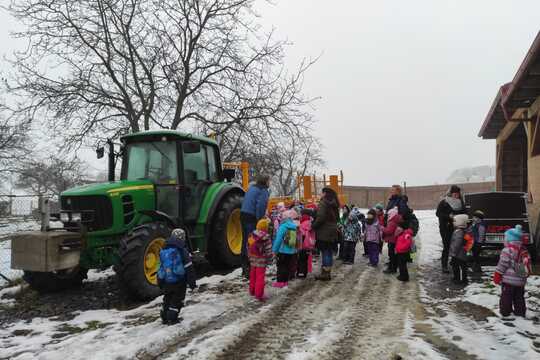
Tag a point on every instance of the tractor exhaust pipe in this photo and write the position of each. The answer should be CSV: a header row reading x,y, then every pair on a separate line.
x,y
111,160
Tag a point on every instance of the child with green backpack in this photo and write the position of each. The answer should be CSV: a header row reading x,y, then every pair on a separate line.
x,y
285,247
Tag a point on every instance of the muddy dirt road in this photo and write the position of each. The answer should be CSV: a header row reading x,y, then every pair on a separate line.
x,y
358,315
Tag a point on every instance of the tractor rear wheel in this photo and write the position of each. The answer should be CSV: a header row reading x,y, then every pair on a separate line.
x,y
139,259
225,247
48,282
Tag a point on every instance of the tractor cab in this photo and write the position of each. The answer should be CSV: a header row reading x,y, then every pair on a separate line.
x,y
181,170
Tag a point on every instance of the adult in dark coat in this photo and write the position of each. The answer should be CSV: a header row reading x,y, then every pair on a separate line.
x,y
326,232
253,209
452,204
397,199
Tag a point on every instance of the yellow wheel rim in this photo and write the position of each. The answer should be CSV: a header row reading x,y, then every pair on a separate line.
x,y
151,259
234,232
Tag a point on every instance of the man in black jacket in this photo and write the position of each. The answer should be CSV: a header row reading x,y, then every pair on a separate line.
x,y
452,204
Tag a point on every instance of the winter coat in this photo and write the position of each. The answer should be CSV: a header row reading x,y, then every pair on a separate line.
x,y
390,231
508,262
479,231
445,213
373,232
266,257
325,224
404,242
307,234
279,246
190,277
256,201
457,245
380,219
399,202
352,230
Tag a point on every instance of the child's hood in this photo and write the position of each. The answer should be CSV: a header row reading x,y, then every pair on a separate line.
x,y
289,224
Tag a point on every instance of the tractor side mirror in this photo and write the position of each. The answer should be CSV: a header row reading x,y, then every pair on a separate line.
x,y
191,147
100,152
229,174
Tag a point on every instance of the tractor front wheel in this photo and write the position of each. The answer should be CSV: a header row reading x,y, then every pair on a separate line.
x,y
48,282
139,260
225,247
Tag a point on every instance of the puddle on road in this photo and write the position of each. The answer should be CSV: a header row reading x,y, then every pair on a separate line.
x,y
425,331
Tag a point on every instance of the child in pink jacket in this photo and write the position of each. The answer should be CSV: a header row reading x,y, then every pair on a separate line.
x,y
307,235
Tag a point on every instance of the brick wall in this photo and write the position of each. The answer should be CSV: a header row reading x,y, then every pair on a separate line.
x,y
420,197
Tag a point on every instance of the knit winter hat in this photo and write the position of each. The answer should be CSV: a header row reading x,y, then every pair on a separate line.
x,y
290,214
514,234
479,214
262,225
392,213
379,206
179,234
454,189
460,221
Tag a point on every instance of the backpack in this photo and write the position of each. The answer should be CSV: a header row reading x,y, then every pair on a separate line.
x,y
171,268
414,225
291,239
256,245
521,265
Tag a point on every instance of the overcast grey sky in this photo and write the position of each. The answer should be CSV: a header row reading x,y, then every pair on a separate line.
x,y
404,85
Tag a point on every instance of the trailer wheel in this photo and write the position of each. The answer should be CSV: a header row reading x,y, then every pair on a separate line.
x,y
48,282
139,260
225,246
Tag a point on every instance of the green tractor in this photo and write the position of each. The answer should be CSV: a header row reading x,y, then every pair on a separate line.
x,y
168,179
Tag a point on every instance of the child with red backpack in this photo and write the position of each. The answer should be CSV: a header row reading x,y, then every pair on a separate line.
x,y
307,240
285,247
512,271
461,240
404,243
174,274
260,256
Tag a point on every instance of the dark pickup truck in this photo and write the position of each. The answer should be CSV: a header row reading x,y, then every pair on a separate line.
x,y
503,210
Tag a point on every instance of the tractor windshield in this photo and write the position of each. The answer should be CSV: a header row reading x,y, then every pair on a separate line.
x,y
155,161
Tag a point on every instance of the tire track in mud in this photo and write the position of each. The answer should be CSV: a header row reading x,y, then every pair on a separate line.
x,y
365,308
285,326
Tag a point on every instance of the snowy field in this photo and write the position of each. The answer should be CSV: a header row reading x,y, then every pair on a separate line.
x,y
362,311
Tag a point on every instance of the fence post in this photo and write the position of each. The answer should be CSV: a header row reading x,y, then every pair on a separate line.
x,y
45,212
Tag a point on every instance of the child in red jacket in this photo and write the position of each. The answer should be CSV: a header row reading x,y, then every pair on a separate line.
x,y
390,231
403,246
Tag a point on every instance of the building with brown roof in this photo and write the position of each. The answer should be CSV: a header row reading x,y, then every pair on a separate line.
x,y
514,121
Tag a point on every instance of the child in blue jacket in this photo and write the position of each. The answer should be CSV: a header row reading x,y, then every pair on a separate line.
x,y
175,273
284,248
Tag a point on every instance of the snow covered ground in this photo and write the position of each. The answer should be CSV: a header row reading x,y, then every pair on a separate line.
x,y
465,322
361,314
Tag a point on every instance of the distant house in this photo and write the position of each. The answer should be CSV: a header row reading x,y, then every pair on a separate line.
x,y
514,121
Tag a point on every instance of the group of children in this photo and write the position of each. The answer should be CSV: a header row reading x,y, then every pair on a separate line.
x,y
514,264
287,235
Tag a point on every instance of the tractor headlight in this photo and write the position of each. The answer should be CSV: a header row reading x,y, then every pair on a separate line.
x,y
75,217
64,217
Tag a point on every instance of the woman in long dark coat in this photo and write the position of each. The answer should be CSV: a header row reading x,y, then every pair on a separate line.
x,y
325,226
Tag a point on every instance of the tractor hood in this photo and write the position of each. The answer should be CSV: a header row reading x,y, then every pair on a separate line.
x,y
109,188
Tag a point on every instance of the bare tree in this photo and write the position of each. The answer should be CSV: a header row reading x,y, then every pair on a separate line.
x,y
52,175
13,141
283,154
107,67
